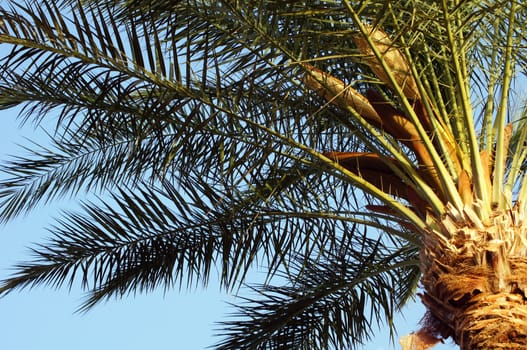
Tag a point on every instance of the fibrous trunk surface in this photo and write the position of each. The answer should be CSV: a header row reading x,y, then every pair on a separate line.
x,y
475,280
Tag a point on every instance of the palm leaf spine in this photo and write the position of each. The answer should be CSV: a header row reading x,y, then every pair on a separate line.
x,y
488,131
467,115
456,124
498,196
459,161
446,140
270,215
394,231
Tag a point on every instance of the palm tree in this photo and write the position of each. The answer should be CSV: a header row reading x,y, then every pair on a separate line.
x,y
350,149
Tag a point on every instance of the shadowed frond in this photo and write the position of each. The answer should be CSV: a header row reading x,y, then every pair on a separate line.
x,y
142,245
333,300
136,242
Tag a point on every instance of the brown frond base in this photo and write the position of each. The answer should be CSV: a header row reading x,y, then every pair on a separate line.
x,y
475,281
421,340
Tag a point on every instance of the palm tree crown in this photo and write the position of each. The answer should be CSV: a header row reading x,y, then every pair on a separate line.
x,y
349,149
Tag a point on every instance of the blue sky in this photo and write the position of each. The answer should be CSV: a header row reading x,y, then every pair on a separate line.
x,y
44,318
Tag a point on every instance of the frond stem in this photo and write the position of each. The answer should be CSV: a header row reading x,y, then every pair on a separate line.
x,y
501,153
478,174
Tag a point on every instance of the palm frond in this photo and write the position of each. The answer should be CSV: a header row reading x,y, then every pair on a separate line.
x,y
333,300
137,249
139,241
231,134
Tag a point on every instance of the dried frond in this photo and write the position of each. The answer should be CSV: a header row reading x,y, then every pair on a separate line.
x,y
392,56
377,170
420,340
335,91
465,188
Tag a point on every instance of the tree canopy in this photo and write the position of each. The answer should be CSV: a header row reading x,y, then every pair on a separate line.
x,y
212,132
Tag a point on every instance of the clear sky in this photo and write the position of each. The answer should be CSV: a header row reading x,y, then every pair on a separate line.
x,y
45,319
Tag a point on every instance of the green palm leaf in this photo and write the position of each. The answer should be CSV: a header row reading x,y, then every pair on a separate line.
x,y
227,135
330,302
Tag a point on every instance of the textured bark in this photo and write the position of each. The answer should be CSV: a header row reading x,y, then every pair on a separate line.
x,y
493,321
475,280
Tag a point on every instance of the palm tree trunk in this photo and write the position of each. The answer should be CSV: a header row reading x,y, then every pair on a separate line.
x,y
475,280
